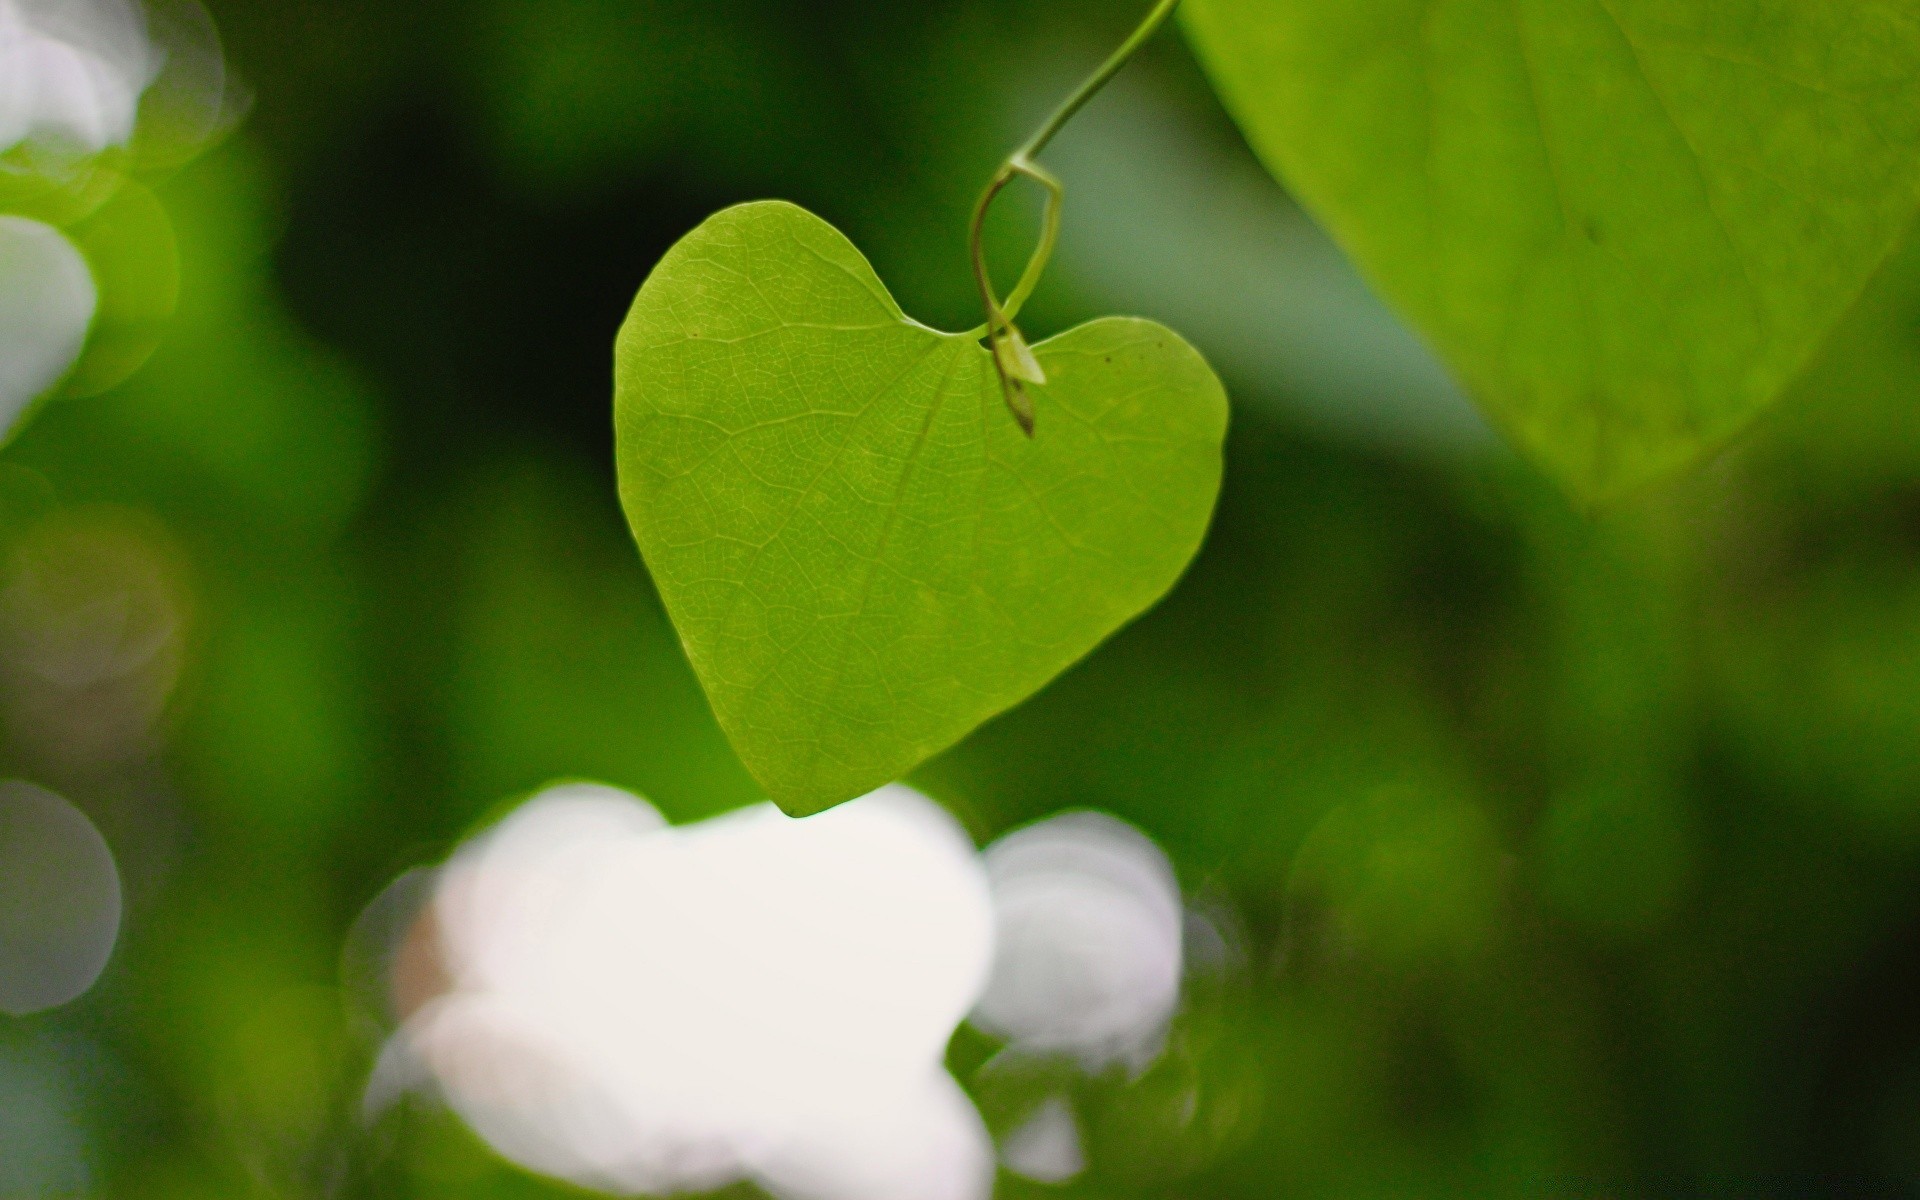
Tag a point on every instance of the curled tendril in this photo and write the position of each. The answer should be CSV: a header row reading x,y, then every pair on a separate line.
x,y
1012,357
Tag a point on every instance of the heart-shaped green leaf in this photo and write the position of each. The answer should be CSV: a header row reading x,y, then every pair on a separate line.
x,y
863,554
1627,223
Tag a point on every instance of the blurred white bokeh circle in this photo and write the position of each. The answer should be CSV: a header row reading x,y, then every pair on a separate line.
x,y
71,75
59,900
47,301
641,1008
1088,959
1046,1147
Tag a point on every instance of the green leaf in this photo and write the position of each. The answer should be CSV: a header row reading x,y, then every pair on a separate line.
x,y
864,556
1627,223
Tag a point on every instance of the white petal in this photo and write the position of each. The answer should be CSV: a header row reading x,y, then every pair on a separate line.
x,y
47,300
1089,931
925,1143
749,990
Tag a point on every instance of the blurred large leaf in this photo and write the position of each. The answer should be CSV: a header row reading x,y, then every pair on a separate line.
x,y
1627,223
863,554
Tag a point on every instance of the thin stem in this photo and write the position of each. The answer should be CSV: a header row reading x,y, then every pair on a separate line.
x,y
1011,357
1099,79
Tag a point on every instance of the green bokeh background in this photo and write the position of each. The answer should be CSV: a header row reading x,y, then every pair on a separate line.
x,y
1555,854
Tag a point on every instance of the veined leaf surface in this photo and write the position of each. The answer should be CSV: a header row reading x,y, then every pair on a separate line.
x,y
1626,223
864,556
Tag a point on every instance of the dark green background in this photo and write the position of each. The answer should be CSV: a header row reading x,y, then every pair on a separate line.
x,y
1620,893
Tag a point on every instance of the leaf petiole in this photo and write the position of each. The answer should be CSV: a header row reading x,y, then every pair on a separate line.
x,y
1011,356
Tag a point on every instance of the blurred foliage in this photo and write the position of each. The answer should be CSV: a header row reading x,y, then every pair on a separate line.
x,y
1554,853
1624,237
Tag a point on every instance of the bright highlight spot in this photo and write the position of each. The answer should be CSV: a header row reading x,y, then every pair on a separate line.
x,y
1046,1146
47,301
1089,952
639,1008
59,900
71,75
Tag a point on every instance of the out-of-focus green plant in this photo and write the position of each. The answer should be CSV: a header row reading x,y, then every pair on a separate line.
x,y
368,469
1628,225
1619,323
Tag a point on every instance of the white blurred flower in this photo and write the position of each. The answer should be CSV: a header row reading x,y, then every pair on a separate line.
x,y
47,301
1088,958
71,74
639,1008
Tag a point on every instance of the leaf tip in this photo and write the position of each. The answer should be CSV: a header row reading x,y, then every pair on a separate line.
x,y
1021,405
